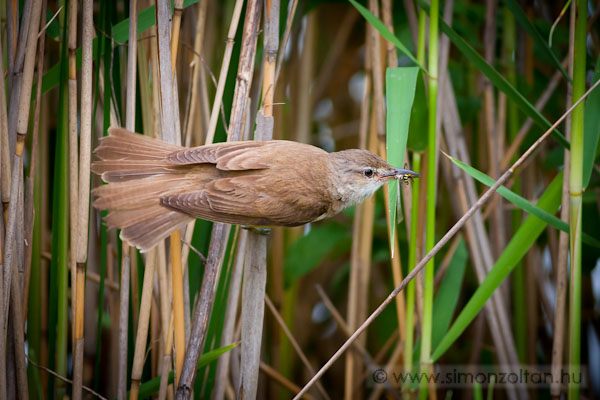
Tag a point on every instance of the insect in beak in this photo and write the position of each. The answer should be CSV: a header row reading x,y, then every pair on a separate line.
x,y
405,175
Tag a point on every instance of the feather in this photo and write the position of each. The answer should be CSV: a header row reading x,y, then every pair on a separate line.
x,y
148,233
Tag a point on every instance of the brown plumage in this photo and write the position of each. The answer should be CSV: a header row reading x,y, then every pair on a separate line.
x,y
154,187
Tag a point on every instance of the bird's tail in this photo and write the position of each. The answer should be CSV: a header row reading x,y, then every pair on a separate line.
x,y
138,174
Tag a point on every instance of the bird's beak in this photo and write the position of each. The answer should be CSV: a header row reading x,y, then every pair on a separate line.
x,y
400,172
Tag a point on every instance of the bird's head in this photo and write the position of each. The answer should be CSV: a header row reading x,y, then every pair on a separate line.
x,y
359,173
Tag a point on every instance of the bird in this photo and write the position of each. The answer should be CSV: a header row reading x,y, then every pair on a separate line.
x,y
154,187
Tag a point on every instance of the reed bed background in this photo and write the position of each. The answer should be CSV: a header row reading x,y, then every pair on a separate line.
x,y
470,94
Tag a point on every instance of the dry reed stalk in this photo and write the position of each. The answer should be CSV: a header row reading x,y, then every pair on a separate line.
x,y
12,26
15,82
222,377
125,252
304,108
176,261
377,69
5,174
255,264
74,194
123,322
490,109
135,290
175,27
155,339
73,139
253,292
165,318
178,317
360,264
15,315
362,138
562,264
286,38
197,71
142,330
143,64
145,305
87,32
202,308
167,51
5,148
235,18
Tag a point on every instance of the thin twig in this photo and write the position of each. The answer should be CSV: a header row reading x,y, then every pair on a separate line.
x,y
62,378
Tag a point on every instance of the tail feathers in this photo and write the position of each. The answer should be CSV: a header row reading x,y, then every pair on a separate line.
x,y
139,193
125,218
125,155
150,231
124,171
139,173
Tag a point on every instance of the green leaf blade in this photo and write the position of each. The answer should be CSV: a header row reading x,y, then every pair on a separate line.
x,y
400,86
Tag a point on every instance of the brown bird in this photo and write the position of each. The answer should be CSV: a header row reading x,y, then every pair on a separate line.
x,y
154,187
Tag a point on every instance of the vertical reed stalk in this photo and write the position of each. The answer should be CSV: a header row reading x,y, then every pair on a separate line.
x,y
562,264
142,330
255,271
5,174
412,260
575,193
176,265
431,195
74,199
125,250
123,320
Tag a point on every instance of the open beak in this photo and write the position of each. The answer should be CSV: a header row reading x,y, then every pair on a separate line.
x,y
399,173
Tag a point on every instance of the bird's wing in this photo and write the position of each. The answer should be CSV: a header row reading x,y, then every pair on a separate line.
x,y
230,156
241,200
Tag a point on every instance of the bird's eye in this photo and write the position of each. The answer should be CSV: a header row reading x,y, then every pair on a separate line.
x,y
368,172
